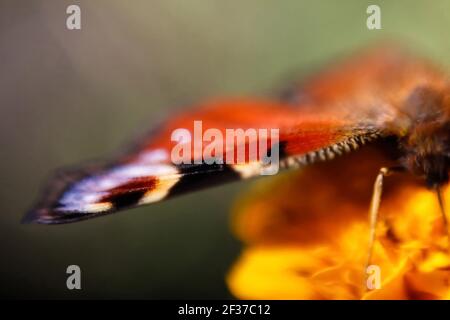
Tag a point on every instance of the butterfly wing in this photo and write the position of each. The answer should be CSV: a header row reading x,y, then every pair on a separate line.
x,y
147,174
331,115
375,85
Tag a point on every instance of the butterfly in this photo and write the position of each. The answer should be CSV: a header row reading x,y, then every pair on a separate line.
x,y
381,95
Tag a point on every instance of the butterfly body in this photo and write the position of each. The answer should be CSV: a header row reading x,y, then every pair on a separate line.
x,y
425,145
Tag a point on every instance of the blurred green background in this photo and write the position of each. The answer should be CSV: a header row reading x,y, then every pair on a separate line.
x,y
68,96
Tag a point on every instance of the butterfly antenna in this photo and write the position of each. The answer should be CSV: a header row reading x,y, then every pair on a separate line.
x,y
373,213
443,213
375,208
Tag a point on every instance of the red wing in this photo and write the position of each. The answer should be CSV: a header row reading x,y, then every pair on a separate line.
x,y
336,113
148,173
300,131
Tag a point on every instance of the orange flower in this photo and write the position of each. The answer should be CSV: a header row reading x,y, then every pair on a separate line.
x,y
306,235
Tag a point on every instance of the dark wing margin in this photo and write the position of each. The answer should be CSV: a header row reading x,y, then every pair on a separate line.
x,y
49,210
